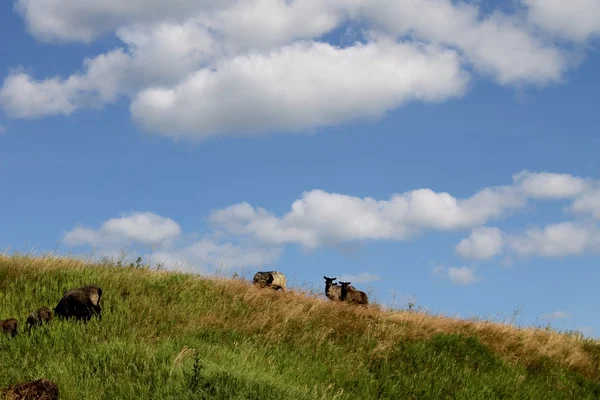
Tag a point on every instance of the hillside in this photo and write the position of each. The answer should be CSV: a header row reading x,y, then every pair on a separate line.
x,y
169,335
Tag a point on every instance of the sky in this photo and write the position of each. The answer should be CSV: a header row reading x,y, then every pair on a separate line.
x,y
436,152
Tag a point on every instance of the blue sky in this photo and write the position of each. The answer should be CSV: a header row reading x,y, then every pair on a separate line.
x,y
431,151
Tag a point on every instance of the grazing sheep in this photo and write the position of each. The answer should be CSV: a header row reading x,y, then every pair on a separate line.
x,y
274,279
9,326
39,317
81,303
332,290
352,295
42,389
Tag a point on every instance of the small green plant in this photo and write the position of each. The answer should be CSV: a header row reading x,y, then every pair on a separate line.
x,y
196,375
137,264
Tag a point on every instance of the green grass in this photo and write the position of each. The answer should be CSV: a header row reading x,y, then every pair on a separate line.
x,y
176,336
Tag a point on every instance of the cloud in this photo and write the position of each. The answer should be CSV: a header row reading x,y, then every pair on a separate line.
x,y
588,203
557,315
245,235
21,96
545,185
171,248
556,240
483,243
2,129
207,255
499,45
190,66
577,20
320,218
363,277
143,228
85,21
263,24
299,87
462,276
553,240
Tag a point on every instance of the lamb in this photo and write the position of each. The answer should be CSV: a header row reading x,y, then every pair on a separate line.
x,y
9,326
352,295
42,389
81,303
274,279
39,317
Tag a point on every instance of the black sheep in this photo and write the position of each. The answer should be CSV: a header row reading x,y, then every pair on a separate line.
x,y
332,290
9,326
39,317
81,303
352,295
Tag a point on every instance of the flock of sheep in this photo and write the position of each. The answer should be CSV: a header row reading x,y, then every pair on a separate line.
x,y
81,303
84,302
342,292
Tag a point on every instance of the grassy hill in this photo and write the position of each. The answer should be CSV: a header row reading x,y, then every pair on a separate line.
x,y
176,336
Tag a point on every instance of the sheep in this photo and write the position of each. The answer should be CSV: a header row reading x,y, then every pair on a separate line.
x,y
42,389
39,317
352,295
9,326
332,290
81,303
274,279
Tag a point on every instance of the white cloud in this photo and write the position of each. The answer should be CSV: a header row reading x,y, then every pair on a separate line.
x,y
156,55
244,234
266,23
21,96
363,277
588,203
148,229
556,240
557,315
163,53
320,217
300,86
203,68
462,276
546,185
207,255
86,20
553,240
483,243
143,228
577,20
499,45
